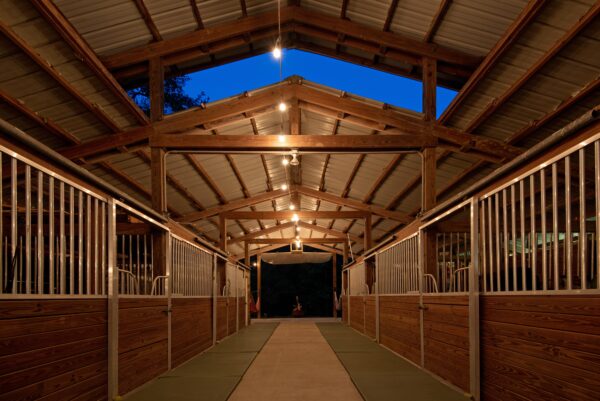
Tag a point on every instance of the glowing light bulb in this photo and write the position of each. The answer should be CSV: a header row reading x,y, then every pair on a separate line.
x,y
285,161
254,264
282,107
297,238
297,229
295,217
284,187
281,138
292,207
277,52
298,244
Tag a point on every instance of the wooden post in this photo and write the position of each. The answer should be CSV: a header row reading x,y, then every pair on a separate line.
x,y
246,254
258,285
428,179
223,233
158,180
368,237
334,271
157,88
429,88
345,254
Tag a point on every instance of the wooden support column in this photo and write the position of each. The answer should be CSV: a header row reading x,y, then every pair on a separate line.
x,y
158,180
428,163
345,254
368,237
258,286
246,254
429,88
223,233
156,88
334,272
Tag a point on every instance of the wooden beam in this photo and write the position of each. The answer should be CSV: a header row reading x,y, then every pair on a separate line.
x,y
429,89
326,248
261,233
61,24
560,44
157,89
259,301
197,15
437,20
529,13
302,214
428,180
284,241
368,238
327,231
233,205
158,180
390,15
342,201
223,233
145,14
289,15
345,254
334,282
302,143
57,77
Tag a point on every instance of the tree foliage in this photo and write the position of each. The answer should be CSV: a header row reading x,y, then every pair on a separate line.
x,y
176,98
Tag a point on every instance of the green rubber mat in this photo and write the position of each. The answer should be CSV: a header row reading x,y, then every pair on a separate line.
x,y
380,375
213,375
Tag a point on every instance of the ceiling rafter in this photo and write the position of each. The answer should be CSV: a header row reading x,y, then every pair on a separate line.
x,y
289,14
58,78
197,15
437,20
529,13
265,232
70,35
147,17
559,45
285,241
302,214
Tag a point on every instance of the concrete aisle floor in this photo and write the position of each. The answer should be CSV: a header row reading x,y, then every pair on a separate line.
x,y
381,375
296,364
210,376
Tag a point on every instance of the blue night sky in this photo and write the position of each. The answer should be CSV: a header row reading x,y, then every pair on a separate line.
x,y
237,77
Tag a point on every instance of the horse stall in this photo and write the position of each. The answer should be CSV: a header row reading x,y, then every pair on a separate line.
x,y
97,295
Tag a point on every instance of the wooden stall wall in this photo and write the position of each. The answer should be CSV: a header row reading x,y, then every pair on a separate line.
x,y
53,348
357,313
231,315
221,318
345,309
540,347
191,328
370,316
143,341
446,337
399,325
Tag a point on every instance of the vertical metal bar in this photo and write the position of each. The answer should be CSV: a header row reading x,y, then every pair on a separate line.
x,y
544,236
483,245
145,264
582,217
490,244
40,232
137,252
522,221
533,232
62,248
113,304
506,241
80,242
214,299
96,230
13,220
496,208
597,184
72,240
3,271
513,220
555,223
27,229
51,234
474,349
88,238
103,243
568,238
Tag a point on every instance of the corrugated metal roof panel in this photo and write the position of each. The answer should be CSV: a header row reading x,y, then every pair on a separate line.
x,y
216,12
413,17
369,171
171,17
368,12
338,172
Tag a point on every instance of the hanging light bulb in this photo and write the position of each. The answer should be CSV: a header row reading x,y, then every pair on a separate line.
x,y
284,187
277,52
297,229
298,243
282,107
292,207
281,138
295,217
297,238
254,264
285,161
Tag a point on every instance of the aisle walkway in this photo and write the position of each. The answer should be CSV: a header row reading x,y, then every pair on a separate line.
x,y
296,364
